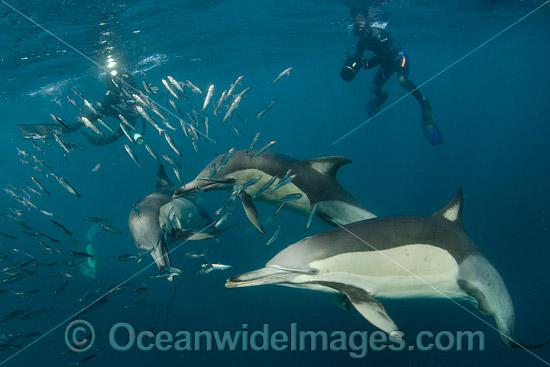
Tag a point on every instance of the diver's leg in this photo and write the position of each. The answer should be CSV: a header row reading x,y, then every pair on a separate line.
x,y
373,105
428,123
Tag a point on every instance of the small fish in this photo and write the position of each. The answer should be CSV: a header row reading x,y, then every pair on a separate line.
x,y
225,159
63,182
61,288
178,174
25,293
71,101
95,219
91,126
62,122
37,313
18,265
87,295
220,101
126,133
176,84
60,227
150,119
172,144
264,148
14,314
167,158
40,162
266,186
134,304
149,88
132,155
96,168
169,88
110,229
89,106
8,236
209,94
291,197
128,257
232,87
104,124
151,152
274,237
232,107
169,276
80,254
39,185
252,181
279,208
285,72
193,87
267,108
125,121
59,274
312,215
253,142
283,182
61,143
37,147
175,106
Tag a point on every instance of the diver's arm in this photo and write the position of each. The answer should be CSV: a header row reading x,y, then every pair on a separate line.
x,y
372,62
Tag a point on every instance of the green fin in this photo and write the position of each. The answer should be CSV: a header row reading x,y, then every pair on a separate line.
x,y
327,165
250,210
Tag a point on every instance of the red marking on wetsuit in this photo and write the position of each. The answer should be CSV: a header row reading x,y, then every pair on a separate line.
x,y
403,60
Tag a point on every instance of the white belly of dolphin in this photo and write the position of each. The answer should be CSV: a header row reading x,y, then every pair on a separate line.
x,y
411,271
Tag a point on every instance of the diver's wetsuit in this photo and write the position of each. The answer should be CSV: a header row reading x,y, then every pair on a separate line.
x,y
114,103
391,58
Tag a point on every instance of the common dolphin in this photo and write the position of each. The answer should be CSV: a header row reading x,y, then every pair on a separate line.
x,y
393,257
145,224
315,181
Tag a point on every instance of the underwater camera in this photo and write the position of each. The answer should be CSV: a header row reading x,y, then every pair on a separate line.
x,y
351,67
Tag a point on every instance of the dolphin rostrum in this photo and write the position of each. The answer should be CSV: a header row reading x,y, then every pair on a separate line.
x,y
393,257
151,228
263,176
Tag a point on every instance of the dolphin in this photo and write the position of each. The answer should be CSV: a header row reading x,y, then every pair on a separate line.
x,y
394,257
145,220
315,182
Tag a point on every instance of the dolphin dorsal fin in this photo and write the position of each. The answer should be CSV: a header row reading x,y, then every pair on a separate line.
x,y
162,178
453,210
327,165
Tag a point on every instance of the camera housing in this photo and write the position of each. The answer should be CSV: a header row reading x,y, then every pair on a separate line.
x,y
350,69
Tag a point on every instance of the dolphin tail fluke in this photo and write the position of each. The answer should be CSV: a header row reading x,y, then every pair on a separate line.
x,y
368,306
259,277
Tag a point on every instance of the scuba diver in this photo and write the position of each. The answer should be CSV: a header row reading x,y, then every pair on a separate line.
x,y
117,101
391,58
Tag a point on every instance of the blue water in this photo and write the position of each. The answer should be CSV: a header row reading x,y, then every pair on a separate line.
x,y
492,108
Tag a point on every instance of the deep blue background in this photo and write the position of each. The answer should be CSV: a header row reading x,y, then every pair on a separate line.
x,y
492,109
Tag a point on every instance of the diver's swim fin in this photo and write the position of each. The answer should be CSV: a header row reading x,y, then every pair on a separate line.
x,y
432,132
374,104
42,131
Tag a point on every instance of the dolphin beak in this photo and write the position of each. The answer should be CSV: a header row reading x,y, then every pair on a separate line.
x,y
188,188
203,184
259,277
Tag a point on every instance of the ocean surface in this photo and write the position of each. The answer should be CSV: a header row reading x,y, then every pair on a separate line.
x,y
483,65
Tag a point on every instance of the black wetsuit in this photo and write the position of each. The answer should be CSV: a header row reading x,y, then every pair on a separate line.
x,y
115,102
391,58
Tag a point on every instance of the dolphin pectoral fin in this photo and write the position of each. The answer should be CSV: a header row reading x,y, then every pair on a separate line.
x,y
250,210
368,306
